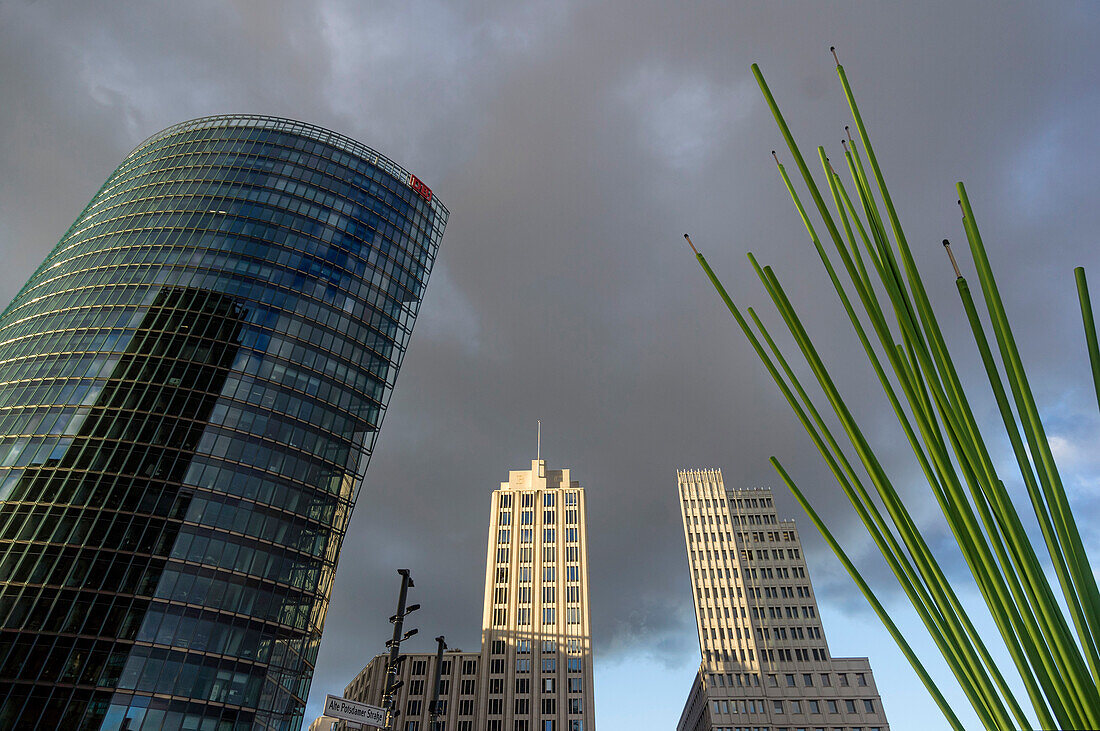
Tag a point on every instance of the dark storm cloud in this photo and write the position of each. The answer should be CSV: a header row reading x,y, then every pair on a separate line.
x,y
574,143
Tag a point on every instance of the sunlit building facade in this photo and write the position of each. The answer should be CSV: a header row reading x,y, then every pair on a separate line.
x,y
534,671
765,664
191,386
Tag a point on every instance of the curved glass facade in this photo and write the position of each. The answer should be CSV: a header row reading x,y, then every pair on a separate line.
x,y
190,389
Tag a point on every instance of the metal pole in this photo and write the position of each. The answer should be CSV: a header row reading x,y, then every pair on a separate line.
x,y
433,708
398,620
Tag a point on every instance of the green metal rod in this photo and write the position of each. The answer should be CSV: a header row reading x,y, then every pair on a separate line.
x,y
1090,328
864,589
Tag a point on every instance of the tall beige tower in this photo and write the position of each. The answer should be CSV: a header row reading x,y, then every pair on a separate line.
x,y
765,660
534,672
536,650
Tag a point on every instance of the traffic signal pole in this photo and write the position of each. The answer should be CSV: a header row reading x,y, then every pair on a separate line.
x,y
433,708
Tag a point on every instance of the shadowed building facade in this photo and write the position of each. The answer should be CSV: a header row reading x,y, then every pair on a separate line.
x,y
766,665
190,390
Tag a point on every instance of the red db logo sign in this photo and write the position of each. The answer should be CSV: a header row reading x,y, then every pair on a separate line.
x,y
422,190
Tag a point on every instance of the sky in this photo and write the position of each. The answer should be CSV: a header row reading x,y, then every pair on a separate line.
x,y
574,143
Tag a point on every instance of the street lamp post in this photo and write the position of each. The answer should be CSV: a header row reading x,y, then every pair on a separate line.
x,y
392,666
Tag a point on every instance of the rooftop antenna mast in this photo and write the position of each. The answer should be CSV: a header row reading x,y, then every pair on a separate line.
x,y
538,442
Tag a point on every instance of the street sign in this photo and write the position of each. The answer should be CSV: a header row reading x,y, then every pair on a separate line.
x,y
342,708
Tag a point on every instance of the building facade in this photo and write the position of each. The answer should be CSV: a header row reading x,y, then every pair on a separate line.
x,y
765,664
190,390
458,689
534,671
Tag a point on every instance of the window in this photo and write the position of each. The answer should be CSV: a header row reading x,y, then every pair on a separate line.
x,y
576,724
548,500
547,685
524,535
505,501
505,518
499,646
527,499
869,705
465,708
523,685
548,572
843,677
416,687
468,687
496,685
807,680
547,615
549,664
523,616
496,665
850,706
790,679
548,535
419,667
548,646
576,705
412,725
523,665
825,680
574,685
861,679
524,573
796,706
414,707
777,706
504,535
496,706
523,647
522,706
815,707
574,664
832,706
548,516
469,667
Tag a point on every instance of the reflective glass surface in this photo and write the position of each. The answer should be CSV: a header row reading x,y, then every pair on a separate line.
x,y
190,389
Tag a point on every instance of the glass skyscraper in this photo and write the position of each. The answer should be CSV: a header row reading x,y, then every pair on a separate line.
x,y
190,389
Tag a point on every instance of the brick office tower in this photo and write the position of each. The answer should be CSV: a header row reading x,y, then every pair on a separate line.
x,y
765,662
534,672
